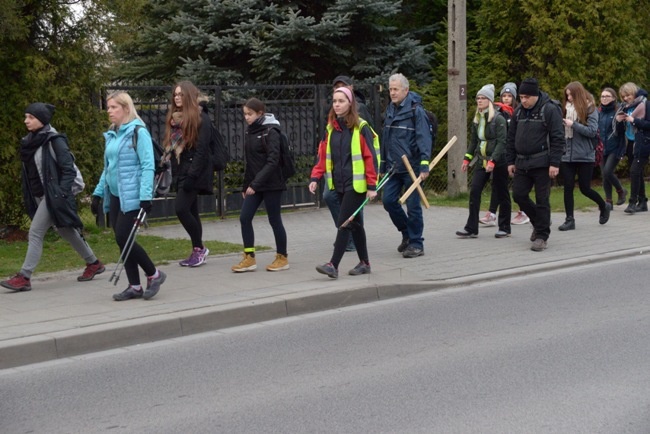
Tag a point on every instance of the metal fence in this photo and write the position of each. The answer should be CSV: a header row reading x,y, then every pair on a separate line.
x,y
301,109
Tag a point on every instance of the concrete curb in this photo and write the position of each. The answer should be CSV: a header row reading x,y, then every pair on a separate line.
x,y
35,349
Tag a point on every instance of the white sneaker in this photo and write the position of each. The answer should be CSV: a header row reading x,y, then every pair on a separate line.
x,y
489,219
520,219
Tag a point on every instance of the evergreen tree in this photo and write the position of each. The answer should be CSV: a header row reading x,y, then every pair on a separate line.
x,y
601,42
50,55
239,41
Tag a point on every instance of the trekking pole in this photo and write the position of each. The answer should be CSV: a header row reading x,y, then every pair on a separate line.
x,y
127,247
380,184
435,161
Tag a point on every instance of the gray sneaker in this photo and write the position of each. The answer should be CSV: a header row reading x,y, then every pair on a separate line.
x,y
128,294
413,252
501,234
153,285
538,245
361,268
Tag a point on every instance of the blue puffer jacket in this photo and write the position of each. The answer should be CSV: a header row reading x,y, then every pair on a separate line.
x,y
128,173
406,132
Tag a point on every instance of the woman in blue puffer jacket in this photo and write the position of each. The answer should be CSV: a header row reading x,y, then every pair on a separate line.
x,y
126,186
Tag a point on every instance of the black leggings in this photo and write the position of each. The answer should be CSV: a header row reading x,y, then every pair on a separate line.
x,y
273,204
608,166
350,202
584,172
122,224
187,211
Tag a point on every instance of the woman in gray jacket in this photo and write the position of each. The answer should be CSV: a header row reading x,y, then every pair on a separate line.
x,y
581,132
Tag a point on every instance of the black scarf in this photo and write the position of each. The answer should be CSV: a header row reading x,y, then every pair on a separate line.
x,y
31,142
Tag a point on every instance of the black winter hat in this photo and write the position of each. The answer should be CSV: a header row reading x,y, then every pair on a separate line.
x,y
41,111
343,79
529,87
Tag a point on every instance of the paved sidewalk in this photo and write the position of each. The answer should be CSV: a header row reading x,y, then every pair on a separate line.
x,y
61,317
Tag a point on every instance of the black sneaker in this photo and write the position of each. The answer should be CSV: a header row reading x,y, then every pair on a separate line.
x,y
361,268
403,245
153,285
413,252
328,269
128,294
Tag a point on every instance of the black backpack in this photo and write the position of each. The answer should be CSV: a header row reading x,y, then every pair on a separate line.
x,y
220,153
287,163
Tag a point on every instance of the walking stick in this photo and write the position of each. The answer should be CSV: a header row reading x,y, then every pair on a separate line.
x,y
127,247
423,196
435,161
380,184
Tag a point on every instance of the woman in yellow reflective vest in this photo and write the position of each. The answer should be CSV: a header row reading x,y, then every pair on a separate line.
x,y
348,159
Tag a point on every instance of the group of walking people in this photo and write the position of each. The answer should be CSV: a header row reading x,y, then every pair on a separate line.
x,y
542,138
349,158
533,141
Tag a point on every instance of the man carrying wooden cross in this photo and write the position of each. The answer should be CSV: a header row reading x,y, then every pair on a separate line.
x,y
406,132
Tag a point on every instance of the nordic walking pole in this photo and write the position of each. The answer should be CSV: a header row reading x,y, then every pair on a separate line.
x,y
380,184
407,163
435,161
127,247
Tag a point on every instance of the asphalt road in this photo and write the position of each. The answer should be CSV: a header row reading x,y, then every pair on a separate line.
x,y
561,352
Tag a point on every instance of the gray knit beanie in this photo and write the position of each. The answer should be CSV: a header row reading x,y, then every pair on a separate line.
x,y
487,91
509,88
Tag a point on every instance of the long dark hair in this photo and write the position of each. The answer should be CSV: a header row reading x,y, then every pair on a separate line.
x,y
191,114
583,101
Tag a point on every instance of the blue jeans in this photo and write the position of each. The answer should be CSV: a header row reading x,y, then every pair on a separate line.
x,y
411,225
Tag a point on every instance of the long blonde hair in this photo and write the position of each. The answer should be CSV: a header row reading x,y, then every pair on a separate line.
x,y
124,100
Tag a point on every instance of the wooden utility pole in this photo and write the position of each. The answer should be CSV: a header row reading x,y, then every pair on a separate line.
x,y
456,96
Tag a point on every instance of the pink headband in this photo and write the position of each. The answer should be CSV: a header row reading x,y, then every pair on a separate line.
x,y
347,92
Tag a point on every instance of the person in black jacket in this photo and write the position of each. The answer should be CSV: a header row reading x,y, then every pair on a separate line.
x,y
263,182
614,145
488,144
533,152
48,178
187,146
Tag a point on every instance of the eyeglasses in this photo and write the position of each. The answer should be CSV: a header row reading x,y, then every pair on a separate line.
x,y
606,96
480,98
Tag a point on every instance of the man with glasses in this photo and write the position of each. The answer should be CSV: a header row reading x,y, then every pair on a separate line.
x,y
533,151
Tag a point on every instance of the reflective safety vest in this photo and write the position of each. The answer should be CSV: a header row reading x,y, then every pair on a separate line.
x,y
358,167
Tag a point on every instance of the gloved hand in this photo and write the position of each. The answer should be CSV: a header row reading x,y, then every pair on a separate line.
x,y
188,184
145,205
95,204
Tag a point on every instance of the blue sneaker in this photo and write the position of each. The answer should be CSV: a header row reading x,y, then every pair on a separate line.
x,y
153,285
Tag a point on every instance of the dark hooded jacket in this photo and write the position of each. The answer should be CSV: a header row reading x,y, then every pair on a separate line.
x,y
56,177
262,155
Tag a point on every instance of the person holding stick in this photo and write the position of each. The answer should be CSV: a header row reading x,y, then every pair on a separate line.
x,y
347,159
126,186
406,132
